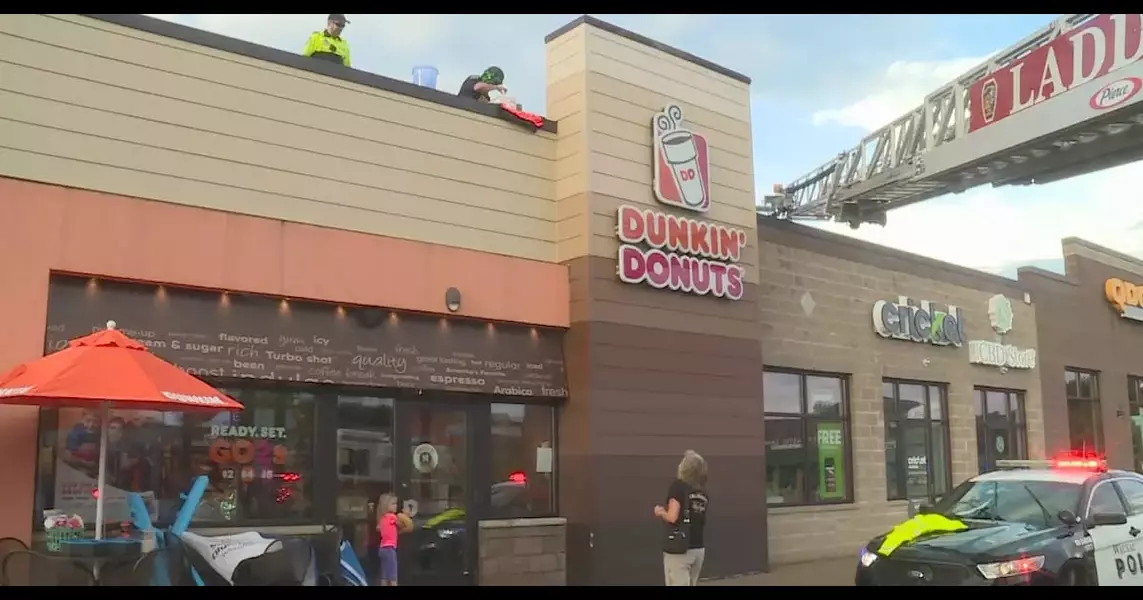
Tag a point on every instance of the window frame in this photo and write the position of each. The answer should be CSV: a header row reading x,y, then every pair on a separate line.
x,y
1017,422
325,481
321,481
805,420
487,480
1093,402
902,492
1135,407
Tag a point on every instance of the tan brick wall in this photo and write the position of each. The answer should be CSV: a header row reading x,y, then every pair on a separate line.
x,y
523,552
837,336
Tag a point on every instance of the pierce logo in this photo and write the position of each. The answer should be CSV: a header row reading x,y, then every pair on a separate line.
x,y
681,175
1116,93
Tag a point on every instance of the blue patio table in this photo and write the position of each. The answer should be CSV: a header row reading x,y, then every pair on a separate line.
x,y
97,554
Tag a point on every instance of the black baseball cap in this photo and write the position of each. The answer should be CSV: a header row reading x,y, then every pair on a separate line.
x,y
338,19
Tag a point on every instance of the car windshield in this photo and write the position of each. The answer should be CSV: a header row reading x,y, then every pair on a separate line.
x,y
1035,503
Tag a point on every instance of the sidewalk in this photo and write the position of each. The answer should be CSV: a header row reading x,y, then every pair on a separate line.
x,y
836,572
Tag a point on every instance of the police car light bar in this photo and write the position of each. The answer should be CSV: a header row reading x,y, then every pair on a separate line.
x,y
1025,464
1081,463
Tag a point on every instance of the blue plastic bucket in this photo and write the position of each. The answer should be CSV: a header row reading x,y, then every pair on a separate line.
x,y
425,75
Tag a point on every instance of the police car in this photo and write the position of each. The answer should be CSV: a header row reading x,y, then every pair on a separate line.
x,y
1069,521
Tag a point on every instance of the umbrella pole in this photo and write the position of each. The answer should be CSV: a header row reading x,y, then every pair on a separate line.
x,y
104,427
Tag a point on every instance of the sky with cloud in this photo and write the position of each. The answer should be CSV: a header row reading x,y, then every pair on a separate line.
x,y
821,83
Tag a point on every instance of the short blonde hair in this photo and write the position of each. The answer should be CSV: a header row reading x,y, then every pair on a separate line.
x,y
384,501
692,469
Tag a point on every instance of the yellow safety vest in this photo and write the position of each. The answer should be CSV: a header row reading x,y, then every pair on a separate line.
x,y
447,515
325,46
915,528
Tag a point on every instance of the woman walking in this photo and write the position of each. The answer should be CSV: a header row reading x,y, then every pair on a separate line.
x,y
685,519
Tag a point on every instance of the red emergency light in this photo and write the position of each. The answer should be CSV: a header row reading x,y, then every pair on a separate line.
x,y
1080,461
518,477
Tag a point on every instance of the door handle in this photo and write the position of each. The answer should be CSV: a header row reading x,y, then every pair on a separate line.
x,y
1133,531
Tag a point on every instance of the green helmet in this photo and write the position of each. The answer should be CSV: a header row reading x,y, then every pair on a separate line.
x,y
493,76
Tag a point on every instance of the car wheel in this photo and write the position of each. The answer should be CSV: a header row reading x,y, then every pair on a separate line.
x,y
1072,576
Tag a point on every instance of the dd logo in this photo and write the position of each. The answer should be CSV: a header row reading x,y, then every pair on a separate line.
x,y
686,174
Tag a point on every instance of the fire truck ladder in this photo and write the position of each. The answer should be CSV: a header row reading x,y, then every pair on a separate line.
x,y
888,168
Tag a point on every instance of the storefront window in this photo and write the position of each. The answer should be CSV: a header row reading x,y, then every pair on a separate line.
x,y
917,461
1000,429
1085,419
1135,402
523,460
259,461
807,438
364,454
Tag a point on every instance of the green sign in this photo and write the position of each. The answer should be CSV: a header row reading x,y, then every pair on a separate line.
x,y
831,461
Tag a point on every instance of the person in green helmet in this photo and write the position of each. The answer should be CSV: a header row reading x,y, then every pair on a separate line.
x,y
477,87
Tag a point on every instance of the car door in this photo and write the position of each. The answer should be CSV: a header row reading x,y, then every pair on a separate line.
x,y
1127,559
1110,543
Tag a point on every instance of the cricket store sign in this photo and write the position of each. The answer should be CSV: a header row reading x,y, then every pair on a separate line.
x,y
919,321
1126,297
677,253
999,354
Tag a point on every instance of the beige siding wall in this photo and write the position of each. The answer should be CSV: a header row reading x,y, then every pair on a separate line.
x,y
567,103
627,83
604,89
88,104
838,337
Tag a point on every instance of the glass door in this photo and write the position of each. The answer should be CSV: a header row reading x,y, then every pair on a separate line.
x,y
364,471
434,452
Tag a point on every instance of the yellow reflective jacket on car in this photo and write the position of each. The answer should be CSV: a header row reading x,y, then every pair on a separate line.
x,y
452,514
915,528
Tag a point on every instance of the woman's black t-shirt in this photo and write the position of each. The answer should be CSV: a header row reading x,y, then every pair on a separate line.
x,y
696,499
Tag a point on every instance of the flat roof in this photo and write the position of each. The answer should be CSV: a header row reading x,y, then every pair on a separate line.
x,y
646,41
224,43
821,241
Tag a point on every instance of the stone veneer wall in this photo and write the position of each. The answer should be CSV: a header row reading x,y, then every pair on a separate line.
x,y
523,552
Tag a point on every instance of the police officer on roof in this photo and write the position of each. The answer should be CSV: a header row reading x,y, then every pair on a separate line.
x,y
328,43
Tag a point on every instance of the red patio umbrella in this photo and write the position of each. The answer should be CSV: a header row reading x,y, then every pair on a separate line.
x,y
108,369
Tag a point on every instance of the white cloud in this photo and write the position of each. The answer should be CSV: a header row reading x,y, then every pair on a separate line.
x,y
992,228
904,87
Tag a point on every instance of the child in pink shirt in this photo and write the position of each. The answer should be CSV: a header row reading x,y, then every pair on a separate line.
x,y
388,526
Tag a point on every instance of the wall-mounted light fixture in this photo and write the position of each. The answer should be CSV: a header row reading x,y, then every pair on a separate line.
x,y
452,299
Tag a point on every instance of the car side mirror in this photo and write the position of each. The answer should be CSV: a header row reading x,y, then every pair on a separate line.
x,y
1104,519
1068,517
917,507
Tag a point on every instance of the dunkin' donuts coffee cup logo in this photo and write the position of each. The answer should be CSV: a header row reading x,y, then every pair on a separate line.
x,y
682,164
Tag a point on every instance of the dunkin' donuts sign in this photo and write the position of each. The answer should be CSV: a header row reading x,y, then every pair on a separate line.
x,y
678,253
673,252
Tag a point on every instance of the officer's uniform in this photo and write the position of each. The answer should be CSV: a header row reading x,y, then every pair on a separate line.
x,y
324,46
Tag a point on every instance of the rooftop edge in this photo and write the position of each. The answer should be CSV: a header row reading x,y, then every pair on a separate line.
x,y
986,281
1094,247
646,41
200,37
